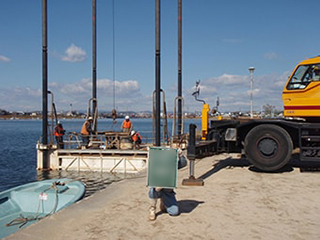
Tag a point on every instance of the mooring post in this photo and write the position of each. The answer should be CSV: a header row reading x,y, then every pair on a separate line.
x,y
191,155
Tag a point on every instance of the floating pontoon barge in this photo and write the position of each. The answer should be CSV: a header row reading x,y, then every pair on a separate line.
x,y
109,152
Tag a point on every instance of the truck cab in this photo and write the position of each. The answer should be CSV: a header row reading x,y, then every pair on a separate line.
x,y
301,95
269,143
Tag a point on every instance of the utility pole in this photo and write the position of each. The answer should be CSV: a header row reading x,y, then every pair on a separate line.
x,y
251,70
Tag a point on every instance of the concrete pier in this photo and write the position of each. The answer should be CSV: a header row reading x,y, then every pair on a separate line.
x,y
235,202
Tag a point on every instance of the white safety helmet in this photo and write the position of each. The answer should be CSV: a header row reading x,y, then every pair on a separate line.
x,y
127,117
90,118
132,132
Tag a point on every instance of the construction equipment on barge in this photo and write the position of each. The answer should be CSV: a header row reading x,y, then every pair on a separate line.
x,y
109,151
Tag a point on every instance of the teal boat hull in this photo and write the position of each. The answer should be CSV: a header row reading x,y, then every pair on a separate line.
x,y
24,205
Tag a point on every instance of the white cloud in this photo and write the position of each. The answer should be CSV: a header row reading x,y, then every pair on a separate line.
x,y
270,56
232,90
255,92
81,87
4,59
128,96
127,93
74,54
124,88
232,40
27,92
18,98
227,79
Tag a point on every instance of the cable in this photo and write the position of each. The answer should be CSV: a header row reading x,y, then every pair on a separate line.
x,y
114,112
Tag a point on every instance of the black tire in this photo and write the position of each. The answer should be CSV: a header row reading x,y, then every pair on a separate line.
x,y
268,147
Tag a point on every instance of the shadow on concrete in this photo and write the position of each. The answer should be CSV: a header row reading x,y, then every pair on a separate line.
x,y
230,162
286,168
305,166
226,163
187,206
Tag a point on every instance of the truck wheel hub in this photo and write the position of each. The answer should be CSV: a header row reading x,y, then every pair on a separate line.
x,y
267,147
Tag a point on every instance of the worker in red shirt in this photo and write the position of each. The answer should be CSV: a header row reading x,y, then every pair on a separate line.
x,y
58,133
136,139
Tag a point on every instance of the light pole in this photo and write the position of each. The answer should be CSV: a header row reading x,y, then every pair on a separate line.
x,y
251,70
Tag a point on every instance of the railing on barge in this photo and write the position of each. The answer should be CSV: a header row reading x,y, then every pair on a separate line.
x,y
103,140
106,152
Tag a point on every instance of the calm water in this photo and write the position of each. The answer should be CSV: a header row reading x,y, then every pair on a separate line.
x,y
18,160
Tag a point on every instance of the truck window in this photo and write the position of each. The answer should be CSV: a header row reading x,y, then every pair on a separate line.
x,y
303,76
316,73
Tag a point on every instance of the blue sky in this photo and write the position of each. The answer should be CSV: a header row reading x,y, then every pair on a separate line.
x,y
221,39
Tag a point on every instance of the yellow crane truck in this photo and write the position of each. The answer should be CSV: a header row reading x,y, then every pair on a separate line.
x,y
268,143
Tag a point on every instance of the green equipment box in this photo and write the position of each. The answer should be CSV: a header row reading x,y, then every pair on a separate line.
x,y
162,167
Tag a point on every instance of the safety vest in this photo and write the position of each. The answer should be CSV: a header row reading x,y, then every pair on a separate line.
x,y
136,137
126,124
58,131
84,130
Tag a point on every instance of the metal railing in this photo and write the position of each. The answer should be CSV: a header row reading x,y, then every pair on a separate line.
x,y
73,140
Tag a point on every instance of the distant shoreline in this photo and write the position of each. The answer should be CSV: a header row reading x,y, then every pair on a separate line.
x,y
22,117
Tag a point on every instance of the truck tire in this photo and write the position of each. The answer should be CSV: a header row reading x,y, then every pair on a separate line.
x,y
268,147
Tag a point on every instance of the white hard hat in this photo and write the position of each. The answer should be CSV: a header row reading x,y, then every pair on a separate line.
x,y
132,132
90,118
127,117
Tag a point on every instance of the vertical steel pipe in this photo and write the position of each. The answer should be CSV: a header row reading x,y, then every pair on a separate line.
x,y
179,69
52,128
157,77
191,154
45,160
94,60
191,151
251,70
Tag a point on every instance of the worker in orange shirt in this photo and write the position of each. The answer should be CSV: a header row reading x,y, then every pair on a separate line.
x,y
58,133
136,139
86,131
127,125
